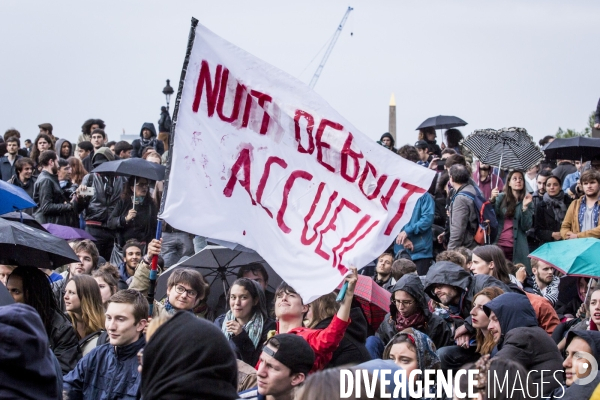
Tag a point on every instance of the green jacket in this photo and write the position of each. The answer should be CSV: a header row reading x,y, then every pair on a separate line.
x,y
522,221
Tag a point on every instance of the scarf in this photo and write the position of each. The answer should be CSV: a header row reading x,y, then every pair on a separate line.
x,y
557,203
168,307
148,142
551,290
581,214
416,321
254,327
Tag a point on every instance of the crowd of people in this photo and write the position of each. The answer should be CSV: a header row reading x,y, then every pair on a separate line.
x,y
456,301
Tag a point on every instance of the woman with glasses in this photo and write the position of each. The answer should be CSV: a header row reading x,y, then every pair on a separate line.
x,y
247,323
409,309
514,211
134,216
186,291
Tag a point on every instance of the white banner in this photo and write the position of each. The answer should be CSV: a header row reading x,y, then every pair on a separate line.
x,y
261,160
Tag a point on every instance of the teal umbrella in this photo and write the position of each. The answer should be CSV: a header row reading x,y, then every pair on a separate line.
x,y
575,257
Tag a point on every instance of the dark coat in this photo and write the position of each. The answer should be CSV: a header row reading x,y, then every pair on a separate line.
x,y
352,348
563,169
7,170
142,227
27,187
107,194
242,345
523,341
434,148
448,273
64,343
138,144
106,372
198,365
28,366
544,221
51,202
436,328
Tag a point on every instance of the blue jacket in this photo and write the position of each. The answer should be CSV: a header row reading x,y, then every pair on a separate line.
x,y
419,230
106,372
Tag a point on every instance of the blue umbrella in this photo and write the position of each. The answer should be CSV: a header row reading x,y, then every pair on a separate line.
x,y
13,198
575,257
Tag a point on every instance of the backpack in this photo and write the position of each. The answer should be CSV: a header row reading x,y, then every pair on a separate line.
x,y
487,228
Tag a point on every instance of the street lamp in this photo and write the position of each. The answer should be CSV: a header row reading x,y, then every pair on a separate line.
x,y
168,91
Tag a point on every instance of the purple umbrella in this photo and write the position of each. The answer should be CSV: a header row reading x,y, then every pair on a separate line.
x,y
67,232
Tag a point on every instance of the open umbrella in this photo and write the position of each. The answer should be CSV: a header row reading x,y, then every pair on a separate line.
x,y
575,257
374,300
13,198
23,245
509,148
219,266
132,167
575,148
68,232
23,218
442,122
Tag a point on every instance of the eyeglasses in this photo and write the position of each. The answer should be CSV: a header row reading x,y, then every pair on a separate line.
x,y
181,290
405,303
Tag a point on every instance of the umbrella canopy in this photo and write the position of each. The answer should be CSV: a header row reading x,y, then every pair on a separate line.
x,y
442,122
575,148
27,219
23,245
219,266
13,198
133,167
508,148
576,257
374,300
67,232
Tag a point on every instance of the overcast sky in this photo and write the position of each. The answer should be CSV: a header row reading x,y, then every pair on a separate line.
x,y
532,64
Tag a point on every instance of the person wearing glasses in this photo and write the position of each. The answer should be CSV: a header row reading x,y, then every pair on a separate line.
x,y
134,216
409,309
186,288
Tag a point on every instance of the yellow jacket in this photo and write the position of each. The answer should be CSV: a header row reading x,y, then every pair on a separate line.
x,y
571,223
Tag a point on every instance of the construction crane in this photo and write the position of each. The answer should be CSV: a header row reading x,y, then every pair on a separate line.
x,y
317,74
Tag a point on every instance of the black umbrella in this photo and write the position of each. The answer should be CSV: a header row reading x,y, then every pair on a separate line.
x,y
219,266
575,148
133,167
23,245
442,122
24,218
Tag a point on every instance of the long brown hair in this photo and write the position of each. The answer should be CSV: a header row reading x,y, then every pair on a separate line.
x,y
493,253
322,308
35,153
92,310
510,201
485,344
77,170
